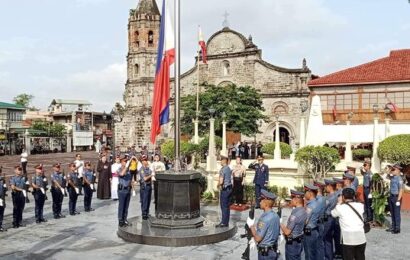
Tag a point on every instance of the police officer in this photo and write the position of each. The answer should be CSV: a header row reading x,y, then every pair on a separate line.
x,y
352,171
267,229
145,179
293,231
367,183
38,182
396,193
337,231
321,222
310,242
225,184
88,184
18,184
349,181
124,192
331,202
57,190
3,190
73,189
261,178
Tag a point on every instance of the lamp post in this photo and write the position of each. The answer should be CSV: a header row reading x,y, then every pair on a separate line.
x,y
302,131
375,159
224,152
277,152
387,118
348,150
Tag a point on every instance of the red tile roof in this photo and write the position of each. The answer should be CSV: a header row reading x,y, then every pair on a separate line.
x,y
392,69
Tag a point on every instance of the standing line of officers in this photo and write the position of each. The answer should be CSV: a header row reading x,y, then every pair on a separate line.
x,y
316,223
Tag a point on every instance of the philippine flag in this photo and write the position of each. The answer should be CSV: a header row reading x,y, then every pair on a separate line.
x,y
202,44
166,57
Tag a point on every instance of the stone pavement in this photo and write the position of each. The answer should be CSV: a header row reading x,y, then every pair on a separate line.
x,y
93,236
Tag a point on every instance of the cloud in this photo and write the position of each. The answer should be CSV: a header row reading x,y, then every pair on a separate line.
x,y
82,3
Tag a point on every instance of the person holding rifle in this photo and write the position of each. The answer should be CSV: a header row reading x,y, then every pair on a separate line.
x,y
18,183
124,192
145,176
293,230
88,183
39,193
73,189
57,190
267,229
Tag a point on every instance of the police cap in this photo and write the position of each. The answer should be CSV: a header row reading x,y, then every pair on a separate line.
x,y
268,195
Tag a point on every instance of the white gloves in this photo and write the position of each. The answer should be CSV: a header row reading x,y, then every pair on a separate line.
x,y
1,203
281,238
250,222
252,244
370,196
128,164
24,193
62,190
398,203
43,191
92,186
133,193
77,190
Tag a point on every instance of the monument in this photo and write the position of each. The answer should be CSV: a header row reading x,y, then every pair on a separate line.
x,y
178,220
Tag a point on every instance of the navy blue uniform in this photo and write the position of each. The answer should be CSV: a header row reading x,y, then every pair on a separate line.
x,y
296,223
18,198
145,190
330,222
3,189
268,227
88,190
367,184
321,242
396,184
310,242
73,192
260,180
56,193
39,195
124,196
337,231
226,174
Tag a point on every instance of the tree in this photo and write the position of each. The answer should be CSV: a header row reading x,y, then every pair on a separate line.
x,y
167,149
243,107
285,149
47,129
395,149
24,100
204,145
317,160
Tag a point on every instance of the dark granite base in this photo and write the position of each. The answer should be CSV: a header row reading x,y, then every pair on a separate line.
x,y
141,232
176,223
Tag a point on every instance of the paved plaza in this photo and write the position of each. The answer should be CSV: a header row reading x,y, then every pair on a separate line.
x,y
93,235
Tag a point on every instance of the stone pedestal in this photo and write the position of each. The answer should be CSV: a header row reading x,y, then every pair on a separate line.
x,y
178,204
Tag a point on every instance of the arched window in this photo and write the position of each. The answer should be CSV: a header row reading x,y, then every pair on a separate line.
x,y
150,38
136,70
226,68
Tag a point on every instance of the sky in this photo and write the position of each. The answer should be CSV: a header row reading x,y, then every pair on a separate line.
x,y
76,49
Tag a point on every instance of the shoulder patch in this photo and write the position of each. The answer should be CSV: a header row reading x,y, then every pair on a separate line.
x,y
261,224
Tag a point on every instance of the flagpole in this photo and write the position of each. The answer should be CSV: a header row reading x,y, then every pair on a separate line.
x,y
177,87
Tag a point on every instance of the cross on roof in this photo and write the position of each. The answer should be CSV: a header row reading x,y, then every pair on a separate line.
x,y
225,22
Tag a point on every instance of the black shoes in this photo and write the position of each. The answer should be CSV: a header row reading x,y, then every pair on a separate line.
x,y
2,229
89,210
38,221
122,224
220,225
61,216
144,217
43,220
56,216
396,231
76,213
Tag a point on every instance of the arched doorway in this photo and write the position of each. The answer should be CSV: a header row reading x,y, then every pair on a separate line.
x,y
284,135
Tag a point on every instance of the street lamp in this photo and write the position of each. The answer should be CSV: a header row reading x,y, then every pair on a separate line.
x,y
376,110
212,112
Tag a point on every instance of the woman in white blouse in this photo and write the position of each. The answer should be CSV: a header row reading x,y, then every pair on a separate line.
x,y
115,169
238,174
351,224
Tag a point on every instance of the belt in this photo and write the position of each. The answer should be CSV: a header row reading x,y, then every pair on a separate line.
x,y
227,187
124,188
272,247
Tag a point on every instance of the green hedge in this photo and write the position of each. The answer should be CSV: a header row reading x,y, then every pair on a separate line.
x,y
285,149
395,149
361,154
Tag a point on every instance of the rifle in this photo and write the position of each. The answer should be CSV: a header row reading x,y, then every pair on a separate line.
x,y
3,183
64,184
93,179
27,186
44,182
248,233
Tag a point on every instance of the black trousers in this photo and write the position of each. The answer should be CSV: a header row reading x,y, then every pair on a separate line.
x,y
134,174
1,215
72,200
354,252
39,199
88,195
24,166
237,190
58,197
19,202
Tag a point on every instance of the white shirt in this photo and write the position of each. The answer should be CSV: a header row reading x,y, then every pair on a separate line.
x,y
115,167
350,224
157,167
80,167
24,157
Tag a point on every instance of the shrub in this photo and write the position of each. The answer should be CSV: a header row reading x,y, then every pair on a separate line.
x,y
286,150
361,154
207,196
167,149
395,149
203,146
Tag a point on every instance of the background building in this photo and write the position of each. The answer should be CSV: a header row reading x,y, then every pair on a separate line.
x,y
11,128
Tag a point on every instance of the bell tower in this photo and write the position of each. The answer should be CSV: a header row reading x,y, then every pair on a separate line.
x,y
143,35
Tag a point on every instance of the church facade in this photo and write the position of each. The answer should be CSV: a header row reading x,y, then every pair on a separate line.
x,y
232,59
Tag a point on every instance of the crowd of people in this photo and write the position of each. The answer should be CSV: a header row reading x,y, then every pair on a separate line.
x,y
327,221
245,150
